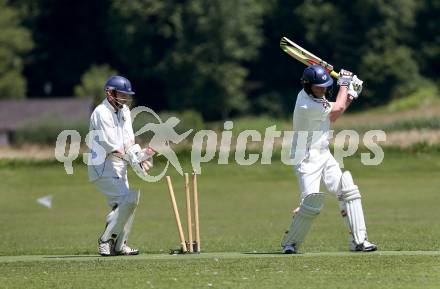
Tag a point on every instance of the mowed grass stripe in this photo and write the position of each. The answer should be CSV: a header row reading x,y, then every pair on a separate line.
x,y
223,255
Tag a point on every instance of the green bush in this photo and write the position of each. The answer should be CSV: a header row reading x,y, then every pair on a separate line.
x,y
47,131
426,95
415,123
258,123
189,119
92,83
400,125
15,42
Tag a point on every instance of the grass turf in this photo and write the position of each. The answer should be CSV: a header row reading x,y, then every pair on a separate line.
x,y
365,271
243,209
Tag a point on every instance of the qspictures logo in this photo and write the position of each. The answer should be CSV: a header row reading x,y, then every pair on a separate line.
x,y
210,145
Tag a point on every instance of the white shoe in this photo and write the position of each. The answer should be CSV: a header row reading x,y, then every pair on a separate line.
x,y
106,248
364,247
290,249
125,250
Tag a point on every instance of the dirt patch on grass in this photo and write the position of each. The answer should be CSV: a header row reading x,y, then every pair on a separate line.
x,y
34,152
411,137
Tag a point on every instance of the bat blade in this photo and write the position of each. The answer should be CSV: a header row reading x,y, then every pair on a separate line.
x,y
304,56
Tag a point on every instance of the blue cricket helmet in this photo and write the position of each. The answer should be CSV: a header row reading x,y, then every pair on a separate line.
x,y
316,75
120,84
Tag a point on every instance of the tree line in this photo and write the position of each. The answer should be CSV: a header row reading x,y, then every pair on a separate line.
x,y
218,57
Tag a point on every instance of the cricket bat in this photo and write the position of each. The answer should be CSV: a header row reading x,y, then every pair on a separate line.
x,y
305,56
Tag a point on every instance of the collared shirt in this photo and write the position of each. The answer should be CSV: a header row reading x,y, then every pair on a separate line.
x,y
116,134
311,125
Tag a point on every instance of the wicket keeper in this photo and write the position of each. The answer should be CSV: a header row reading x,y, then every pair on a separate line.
x,y
116,142
314,163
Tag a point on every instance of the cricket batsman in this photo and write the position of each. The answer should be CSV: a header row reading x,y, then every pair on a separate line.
x,y
112,148
314,163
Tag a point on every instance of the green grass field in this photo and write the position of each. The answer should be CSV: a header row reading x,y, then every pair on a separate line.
x,y
244,212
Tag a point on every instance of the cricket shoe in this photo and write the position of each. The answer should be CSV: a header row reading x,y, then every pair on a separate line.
x,y
106,248
127,251
290,249
364,247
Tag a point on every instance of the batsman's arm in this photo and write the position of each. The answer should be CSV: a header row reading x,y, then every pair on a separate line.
x,y
341,104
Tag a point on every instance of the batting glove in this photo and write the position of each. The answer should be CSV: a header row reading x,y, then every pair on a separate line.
x,y
345,77
355,87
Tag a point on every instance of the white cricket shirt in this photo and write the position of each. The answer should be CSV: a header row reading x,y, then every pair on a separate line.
x,y
117,134
311,125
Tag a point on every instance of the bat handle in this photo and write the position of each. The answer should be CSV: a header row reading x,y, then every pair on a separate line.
x,y
334,74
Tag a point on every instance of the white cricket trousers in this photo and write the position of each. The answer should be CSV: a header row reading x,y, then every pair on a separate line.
x,y
113,188
318,166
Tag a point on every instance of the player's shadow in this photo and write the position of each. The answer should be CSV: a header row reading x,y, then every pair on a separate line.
x,y
70,256
263,253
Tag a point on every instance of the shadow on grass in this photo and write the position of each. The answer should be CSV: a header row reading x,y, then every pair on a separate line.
x,y
70,256
264,253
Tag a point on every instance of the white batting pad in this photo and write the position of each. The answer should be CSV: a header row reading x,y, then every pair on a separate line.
x,y
310,207
355,215
123,236
122,216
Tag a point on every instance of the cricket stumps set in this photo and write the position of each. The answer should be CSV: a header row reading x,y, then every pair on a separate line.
x,y
190,245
